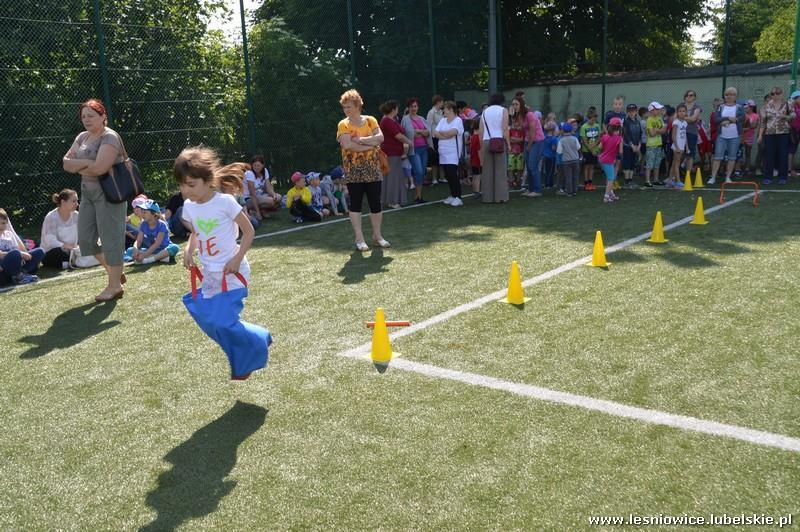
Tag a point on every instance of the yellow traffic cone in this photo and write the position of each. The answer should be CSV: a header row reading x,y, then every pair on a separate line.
x,y
516,296
381,348
599,253
658,227
699,214
698,179
687,183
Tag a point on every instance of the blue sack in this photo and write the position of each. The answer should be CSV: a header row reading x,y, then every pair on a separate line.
x,y
245,344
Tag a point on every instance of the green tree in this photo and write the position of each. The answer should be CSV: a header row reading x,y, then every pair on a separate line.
x,y
777,39
748,19
171,81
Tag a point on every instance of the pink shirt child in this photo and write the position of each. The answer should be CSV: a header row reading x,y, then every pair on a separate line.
x,y
609,145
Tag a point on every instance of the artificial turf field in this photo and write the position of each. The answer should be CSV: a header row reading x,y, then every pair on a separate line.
x,y
120,417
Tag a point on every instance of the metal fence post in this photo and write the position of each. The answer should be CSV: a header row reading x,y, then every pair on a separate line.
x,y
351,34
492,47
605,60
725,45
433,49
101,49
251,128
795,50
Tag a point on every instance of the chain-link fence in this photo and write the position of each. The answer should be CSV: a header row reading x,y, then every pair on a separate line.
x,y
169,81
166,81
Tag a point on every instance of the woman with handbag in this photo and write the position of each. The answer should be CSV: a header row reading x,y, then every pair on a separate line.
x,y
774,134
92,155
494,132
395,144
360,138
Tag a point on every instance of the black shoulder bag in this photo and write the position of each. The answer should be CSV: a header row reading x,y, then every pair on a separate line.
x,y
123,182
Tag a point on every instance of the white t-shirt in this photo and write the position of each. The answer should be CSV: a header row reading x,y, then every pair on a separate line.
x,y
449,149
8,241
730,131
492,122
679,126
258,182
215,229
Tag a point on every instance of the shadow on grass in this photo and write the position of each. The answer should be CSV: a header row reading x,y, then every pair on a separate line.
x,y
196,483
359,266
71,328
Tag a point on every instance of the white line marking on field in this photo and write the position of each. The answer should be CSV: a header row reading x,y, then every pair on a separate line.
x,y
365,348
589,403
612,408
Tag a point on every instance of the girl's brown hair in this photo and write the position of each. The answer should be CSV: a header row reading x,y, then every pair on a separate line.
x,y
62,196
3,215
230,176
199,162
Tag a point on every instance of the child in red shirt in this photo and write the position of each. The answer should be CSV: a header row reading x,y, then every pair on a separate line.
x,y
475,158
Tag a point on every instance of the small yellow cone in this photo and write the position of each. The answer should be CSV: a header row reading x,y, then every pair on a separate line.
x,y
658,228
698,179
381,348
599,253
516,296
687,183
699,214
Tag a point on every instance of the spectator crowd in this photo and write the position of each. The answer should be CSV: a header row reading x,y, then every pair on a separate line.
x,y
394,158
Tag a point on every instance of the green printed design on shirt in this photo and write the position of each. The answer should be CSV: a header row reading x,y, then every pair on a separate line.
x,y
206,226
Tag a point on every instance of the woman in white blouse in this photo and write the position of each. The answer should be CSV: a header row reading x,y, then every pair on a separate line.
x,y
60,230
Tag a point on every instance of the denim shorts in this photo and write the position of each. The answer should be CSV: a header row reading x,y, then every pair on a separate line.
x,y
726,149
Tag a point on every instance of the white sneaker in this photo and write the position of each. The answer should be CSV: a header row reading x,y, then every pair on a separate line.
x,y
711,181
449,200
412,186
728,180
456,202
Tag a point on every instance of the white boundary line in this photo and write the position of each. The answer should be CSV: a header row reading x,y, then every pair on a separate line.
x,y
656,417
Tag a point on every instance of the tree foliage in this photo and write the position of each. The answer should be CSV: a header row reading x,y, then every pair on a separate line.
x,y
777,39
748,19
171,83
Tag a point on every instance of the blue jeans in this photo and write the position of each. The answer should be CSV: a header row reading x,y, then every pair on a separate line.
x,y
549,167
419,163
532,164
12,264
175,224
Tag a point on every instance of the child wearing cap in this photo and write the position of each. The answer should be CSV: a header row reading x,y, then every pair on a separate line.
x,y
298,200
655,153
569,150
152,242
751,119
133,221
590,141
319,202
340,190
680,146
631,143
549,153
611,147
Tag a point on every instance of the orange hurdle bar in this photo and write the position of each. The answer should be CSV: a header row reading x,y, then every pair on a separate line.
x,y
371,324
739,183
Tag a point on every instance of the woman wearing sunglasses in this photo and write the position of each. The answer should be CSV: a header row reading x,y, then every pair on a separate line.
x,y
773,135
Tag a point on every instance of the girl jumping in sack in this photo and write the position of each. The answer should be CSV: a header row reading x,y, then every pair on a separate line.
x,y
216,220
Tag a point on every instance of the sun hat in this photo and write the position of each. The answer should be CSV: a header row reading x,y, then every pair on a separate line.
x,y
654,105
297,176
632,107
337,173
139,200
566,127
152,206
794,95
615,121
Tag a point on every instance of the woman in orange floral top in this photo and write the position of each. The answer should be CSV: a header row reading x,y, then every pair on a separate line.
x,y
360,138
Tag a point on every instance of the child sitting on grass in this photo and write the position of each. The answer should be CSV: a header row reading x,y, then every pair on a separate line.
x,y
133,221
152,242
298,201
319,202
340,190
